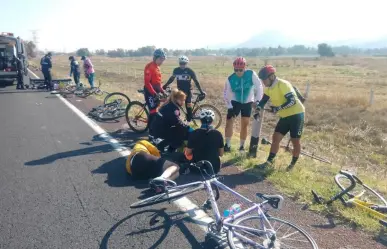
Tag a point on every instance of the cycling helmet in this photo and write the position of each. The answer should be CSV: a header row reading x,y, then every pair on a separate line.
x,y
266,71
206,116
159,53
183,59
239,62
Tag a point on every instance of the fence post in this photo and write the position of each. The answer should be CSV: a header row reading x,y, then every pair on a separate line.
x,y
307,90
371,97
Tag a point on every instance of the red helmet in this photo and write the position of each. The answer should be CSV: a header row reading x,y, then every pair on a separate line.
x,y
266,71
239,62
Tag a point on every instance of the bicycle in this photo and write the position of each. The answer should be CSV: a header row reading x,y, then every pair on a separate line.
x,y
368,205
237,231
109,111
141,116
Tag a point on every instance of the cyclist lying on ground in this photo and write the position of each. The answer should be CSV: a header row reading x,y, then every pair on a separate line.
x,y
167,124
184,74
289,108
205,143
144,162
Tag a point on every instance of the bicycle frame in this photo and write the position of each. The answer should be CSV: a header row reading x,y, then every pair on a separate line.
x,y
227,222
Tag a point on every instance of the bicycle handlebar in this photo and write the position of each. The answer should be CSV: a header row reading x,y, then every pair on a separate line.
x,y
350,175
339,195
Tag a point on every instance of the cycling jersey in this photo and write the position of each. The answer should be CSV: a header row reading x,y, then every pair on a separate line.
x,y
184,77
245,89
278,93
74,67
141,146
46,63
152,78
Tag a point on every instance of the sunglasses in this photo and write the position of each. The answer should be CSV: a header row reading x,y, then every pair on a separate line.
x,y
239,70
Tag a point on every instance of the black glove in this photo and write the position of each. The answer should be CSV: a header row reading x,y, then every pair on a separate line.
x,y
257,113
274,109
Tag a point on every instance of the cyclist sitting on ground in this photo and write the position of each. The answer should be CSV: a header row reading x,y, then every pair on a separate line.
x,y
167,124
144,162
242,88
152,84
184,74
206,143
289,108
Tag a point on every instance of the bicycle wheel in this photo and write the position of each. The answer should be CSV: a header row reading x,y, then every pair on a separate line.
x,y
173,194
218,116
291,236
117,95
137,116
112,114
362,191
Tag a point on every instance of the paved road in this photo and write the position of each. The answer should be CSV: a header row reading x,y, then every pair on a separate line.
x,y
61,186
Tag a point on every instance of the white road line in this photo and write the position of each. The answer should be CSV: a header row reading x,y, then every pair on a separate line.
x,y
197,215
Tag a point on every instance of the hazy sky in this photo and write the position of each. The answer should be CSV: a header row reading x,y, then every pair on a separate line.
x,y
70,24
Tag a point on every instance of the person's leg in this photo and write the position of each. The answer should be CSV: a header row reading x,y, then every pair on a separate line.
x,y
76,79
296,130
231,114
280,131
152,107
91,80
188,105
245,119
45,79
49,79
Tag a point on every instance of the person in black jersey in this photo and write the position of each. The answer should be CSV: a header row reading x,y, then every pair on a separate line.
x,y
205,143
184,74
167,124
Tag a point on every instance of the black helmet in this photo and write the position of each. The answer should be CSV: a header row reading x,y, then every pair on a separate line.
x,y
49,54
71,58
83,57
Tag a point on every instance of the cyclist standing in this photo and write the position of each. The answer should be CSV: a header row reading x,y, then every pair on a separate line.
x,y
184,74
46,65
89,70
290,109
152,84
241,90
75,69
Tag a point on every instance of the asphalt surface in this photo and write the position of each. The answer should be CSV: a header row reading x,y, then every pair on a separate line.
x,y
61,186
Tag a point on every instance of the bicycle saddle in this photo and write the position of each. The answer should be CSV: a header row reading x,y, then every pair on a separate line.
x,y
274,200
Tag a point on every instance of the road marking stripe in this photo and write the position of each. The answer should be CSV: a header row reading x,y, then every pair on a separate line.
x,y
197,215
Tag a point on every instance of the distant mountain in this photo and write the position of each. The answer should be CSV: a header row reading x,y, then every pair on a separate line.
x,y
270,39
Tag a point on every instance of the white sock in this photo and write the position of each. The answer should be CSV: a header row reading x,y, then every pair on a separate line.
x,y
228,141
242,143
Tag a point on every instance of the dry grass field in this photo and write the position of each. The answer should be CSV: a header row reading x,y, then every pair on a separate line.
x,y
341,125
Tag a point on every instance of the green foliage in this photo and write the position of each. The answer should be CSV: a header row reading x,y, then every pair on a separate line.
x,y
325,50
83,52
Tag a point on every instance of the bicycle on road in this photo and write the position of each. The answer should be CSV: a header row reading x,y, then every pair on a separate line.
x,y
109,111
137,113
365,198
259,230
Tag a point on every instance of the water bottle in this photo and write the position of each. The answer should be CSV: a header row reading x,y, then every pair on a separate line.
x,y
235,208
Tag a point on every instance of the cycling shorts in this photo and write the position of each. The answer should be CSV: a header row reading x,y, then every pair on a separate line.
x,y
151,101
146,166
244,109
293,124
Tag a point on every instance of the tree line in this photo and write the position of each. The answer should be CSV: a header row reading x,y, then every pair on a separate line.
x,y
322,49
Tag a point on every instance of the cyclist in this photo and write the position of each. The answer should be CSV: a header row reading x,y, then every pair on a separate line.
x,y
89,70
152,84
167,124
184,74
241,90
75,69
46,65
144,162
289,108
205,143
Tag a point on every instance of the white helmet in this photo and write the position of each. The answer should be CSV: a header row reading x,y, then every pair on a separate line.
x,y
207,115
183,59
